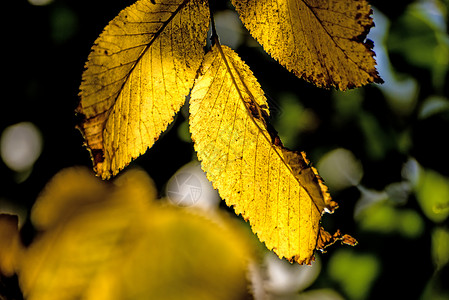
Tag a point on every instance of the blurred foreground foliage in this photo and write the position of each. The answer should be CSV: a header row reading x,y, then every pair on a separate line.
x,y
112,241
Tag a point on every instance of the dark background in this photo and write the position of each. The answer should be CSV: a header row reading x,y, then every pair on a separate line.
x,y
44,50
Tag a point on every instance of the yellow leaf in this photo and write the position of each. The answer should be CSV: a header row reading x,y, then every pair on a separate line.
x,y
137,77
113,241
320,41
181,256
277,190
88,224
10,248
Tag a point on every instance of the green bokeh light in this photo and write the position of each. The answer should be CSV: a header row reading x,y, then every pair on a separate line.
x,y
354,272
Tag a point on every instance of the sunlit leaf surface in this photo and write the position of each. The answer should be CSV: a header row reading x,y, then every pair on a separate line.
x,y
276,189
137,76
320,41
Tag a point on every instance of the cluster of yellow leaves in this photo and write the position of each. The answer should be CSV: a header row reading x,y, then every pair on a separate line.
x,y
113,241
151,55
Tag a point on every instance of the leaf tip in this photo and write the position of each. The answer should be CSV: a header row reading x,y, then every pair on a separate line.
x,y
325,239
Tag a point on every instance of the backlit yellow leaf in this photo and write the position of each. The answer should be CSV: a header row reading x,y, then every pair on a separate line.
x,y
276,189
113,241
320,41
137,77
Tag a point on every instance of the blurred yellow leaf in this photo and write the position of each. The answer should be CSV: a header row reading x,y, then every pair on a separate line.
x,y
137,76
320,41
276,189
183,256
10,247
117,243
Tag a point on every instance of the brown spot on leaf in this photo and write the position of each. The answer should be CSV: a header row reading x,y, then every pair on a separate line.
x,y
97,155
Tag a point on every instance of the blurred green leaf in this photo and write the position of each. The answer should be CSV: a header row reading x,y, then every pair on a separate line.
x,y
440,247
379,218
417,38
385,218
432,192
354,272
436,288
410,224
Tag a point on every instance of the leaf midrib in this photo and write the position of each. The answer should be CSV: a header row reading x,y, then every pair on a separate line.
x,y
332,38
255,123
147,47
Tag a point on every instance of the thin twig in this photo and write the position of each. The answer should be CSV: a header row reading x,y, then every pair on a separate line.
x,y
214,36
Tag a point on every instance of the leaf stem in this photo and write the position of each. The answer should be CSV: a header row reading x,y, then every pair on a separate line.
x,y
214,36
